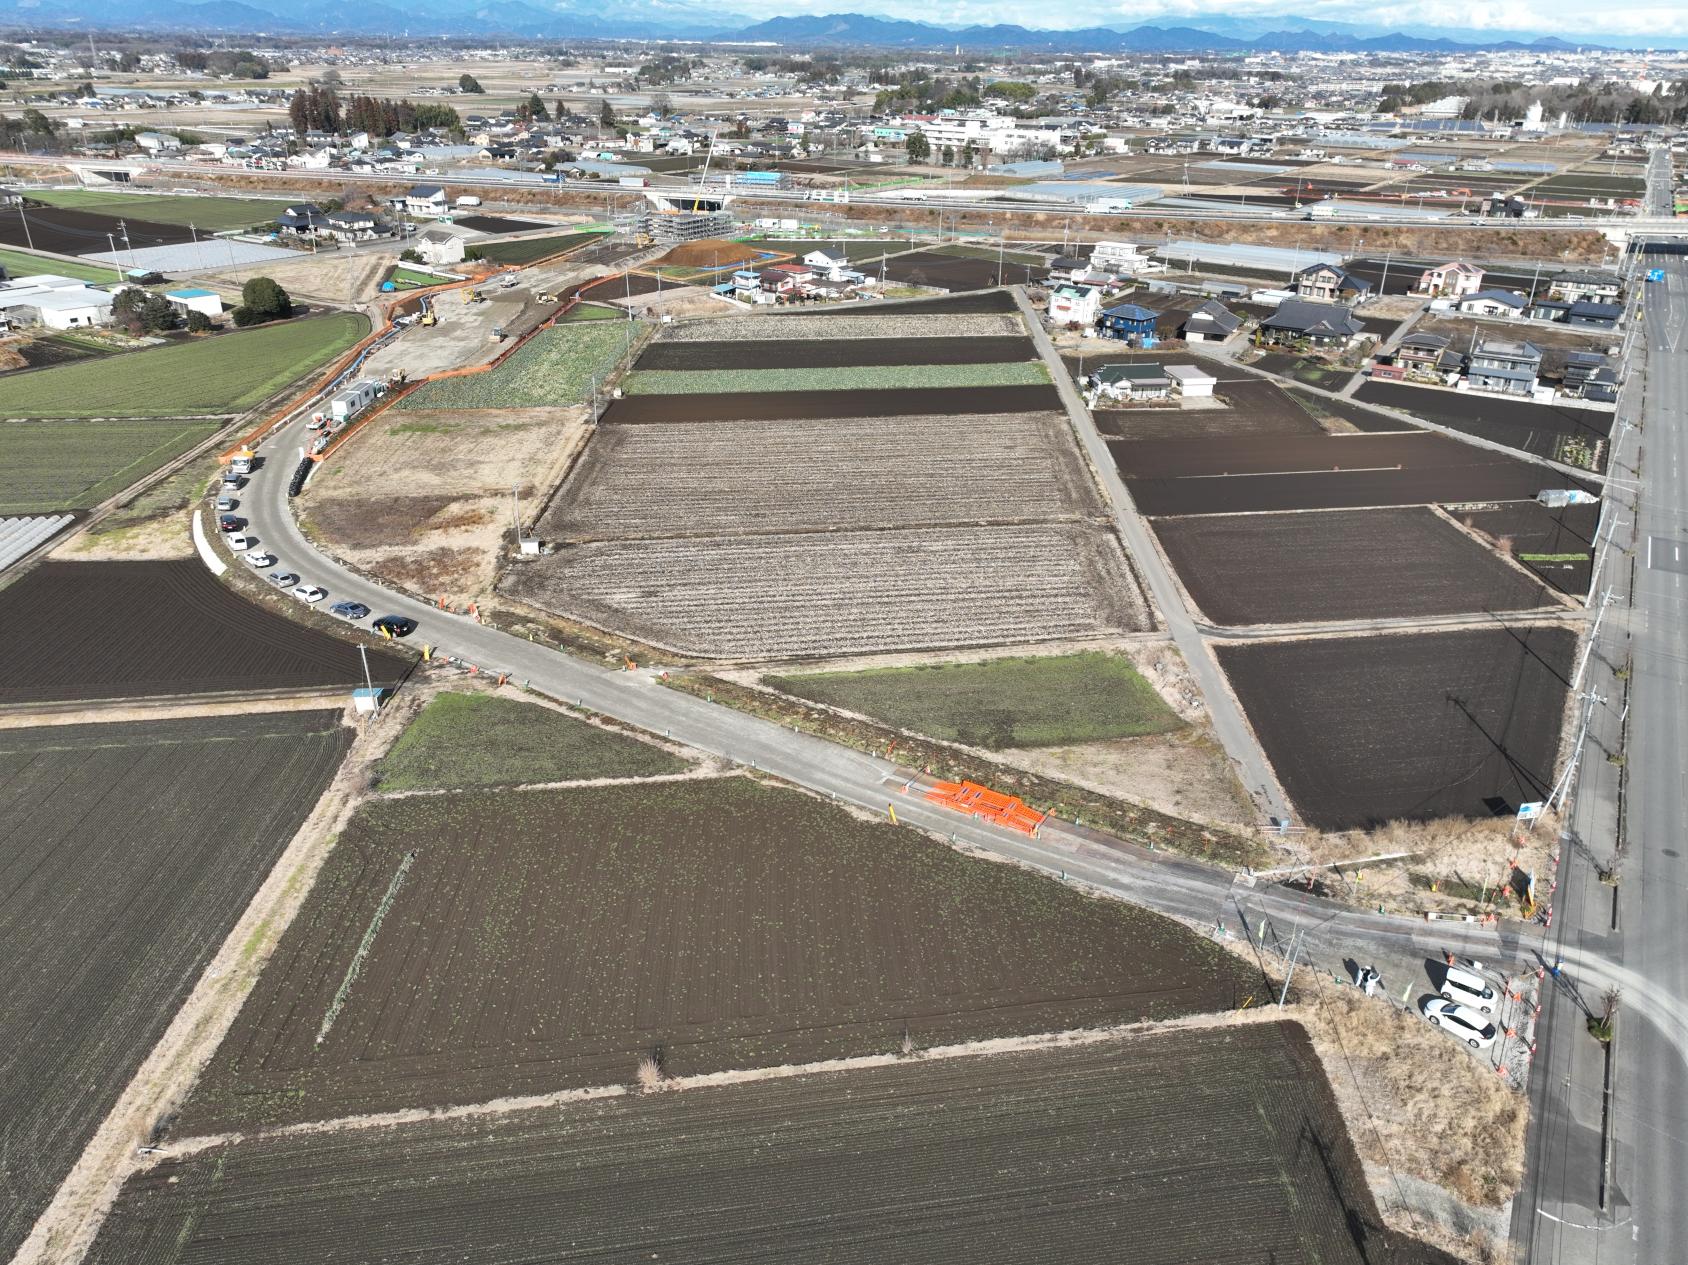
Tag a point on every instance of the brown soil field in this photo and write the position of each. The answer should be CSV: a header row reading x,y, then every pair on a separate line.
x,y
1340,564
131,848
819,594
501,224
92,630
951,272
1538,537
1343,416
810,353
858,321
977,303
1253,408
708,253
457,949
629,285
66,232
822,474
1181,1144
1367,730
445,478
1543,430
798,405
331,278
1174,477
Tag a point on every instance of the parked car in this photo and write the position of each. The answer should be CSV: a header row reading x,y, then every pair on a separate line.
x,y
232,482
282,579
228,522
258,558
349,610
1469,989
309,593
226,503
1460,1021
394,626
240,543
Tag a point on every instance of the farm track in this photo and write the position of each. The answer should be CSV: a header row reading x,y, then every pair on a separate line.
x,y
808,353
130,850
108,630
733,924
1053,1154
797,596
822,474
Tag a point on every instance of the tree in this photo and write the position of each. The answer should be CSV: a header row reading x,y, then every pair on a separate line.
x,y
199,323
534,109
468,83
949,155
606,116
37,122
140,312
261,299
919,148
662,105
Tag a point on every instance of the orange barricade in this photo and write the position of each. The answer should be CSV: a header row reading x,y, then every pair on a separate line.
x,y
992,806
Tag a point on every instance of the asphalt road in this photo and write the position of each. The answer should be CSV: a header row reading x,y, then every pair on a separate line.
x,y
1587,1201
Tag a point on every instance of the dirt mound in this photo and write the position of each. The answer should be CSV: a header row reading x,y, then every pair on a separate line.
x,y
711,252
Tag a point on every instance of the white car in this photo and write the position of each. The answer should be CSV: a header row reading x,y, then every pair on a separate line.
x,y
1460,1021
1469,989
226,504
309,593
258,558
241,543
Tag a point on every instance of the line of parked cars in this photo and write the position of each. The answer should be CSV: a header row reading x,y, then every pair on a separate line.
x,y
1464,1007
247,547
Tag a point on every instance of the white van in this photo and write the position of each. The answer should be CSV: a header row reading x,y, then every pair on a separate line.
x,y
1469,989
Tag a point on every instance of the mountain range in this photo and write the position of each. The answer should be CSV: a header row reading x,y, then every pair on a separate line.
x,y
697,20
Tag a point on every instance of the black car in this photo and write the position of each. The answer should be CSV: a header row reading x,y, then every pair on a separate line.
x,y
394,626
228,522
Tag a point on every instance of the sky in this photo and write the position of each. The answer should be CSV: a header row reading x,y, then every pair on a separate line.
x,y
1568,19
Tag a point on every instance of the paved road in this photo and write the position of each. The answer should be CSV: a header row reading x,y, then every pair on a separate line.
x,y
1637,939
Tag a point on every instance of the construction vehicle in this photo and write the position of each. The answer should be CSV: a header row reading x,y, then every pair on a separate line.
x,y
498,332
471,295
545,297
429,320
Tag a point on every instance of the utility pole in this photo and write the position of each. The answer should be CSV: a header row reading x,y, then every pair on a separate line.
x,y
1593,636
1289,970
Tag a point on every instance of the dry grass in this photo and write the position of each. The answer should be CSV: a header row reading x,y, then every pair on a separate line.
x,y
649,1075
1415,1101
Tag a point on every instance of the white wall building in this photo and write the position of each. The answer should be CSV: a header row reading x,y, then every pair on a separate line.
x,y
994,132
54,301
1074,304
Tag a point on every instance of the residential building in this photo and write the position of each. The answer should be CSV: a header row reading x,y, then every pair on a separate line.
x,y
1130,322
1137,381
353,226
1327,283
439,246
1592,315
1212,322
426,200
1425,353
1601,287
1192,383
1589,376
1451,281
1498,304
1121,257
1505,367
1322,324
1547,309
1074,304
301,219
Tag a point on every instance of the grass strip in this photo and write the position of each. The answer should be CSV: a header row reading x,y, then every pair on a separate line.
x,y
22,263
1553,557
847,378
364,945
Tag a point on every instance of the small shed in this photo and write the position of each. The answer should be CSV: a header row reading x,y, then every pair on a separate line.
x,y
204,302
353,400
1191,382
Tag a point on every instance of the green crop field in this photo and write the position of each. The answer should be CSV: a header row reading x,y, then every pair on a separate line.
x,y
553,368
593,312
62,464
471,740
224,374
527,249
410,279
844,378
210,214
20,263
1019,702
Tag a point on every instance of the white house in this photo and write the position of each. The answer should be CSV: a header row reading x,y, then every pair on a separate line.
x,y
1120,257
1454,280
426,200
1074,304
439,246
156,142
204,302
54,301
1190,382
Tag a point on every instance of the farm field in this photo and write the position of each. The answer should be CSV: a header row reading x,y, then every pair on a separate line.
x,y
556,366
951,272
482,223
847,592
21,263
130,851
840,378
1253,407
56,464
757,476
1045,1155
973,303
68,231
526,250
460,741
103,630
1342,415
854,250
1575,436
1001,703
1339,564
853,323
1172,477
808,353
734,406
1556,544
207,214
443,516
226,373
458,949
629,285
1474,720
